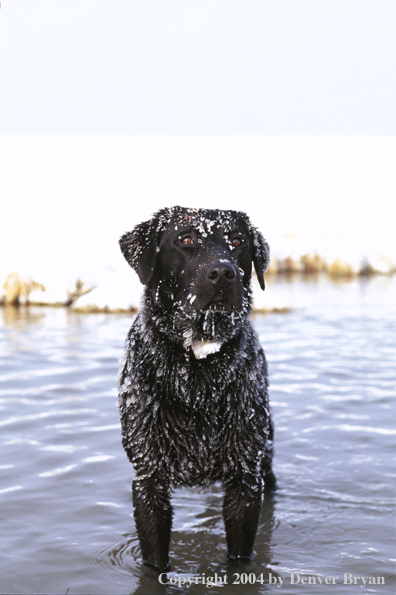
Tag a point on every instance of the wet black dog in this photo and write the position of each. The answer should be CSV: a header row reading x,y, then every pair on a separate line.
x,y
193,384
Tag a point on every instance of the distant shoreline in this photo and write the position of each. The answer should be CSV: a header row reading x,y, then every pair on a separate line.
x,y
101,300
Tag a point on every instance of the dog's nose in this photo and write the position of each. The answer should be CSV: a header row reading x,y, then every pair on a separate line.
x,y
221,272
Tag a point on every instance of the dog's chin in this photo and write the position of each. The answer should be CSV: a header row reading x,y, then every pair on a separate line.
x,y
216,321
215,325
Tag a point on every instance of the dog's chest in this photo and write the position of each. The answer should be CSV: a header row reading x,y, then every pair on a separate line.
x,y
181,414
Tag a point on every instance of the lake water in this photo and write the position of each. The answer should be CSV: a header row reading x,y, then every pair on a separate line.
x,y
66,524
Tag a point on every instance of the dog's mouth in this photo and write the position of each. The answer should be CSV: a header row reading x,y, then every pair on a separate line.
x,y
218,303
218,306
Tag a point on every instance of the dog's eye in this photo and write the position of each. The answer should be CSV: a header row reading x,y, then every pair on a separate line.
x,y
187,240
237,242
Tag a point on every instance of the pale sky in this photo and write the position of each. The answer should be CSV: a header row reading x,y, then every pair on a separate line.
x,y
198,66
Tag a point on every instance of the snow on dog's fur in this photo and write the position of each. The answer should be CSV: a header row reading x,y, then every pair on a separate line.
x,y
193,383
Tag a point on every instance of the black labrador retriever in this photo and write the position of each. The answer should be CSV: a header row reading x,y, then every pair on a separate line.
x,y
193,383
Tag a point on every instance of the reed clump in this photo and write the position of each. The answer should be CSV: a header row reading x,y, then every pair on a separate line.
x,y
311,265
16,289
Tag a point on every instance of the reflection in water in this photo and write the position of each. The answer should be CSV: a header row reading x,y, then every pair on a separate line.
x,y
65,480
15,317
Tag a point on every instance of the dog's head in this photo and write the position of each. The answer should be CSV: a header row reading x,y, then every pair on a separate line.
x,y
197,262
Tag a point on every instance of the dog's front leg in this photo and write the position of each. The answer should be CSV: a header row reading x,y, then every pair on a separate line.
x,y
241,509
153,517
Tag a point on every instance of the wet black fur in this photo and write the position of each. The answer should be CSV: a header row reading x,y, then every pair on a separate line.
x,y
189,420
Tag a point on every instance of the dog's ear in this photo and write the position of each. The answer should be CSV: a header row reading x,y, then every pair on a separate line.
x,y
261,249
261,256
139,247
